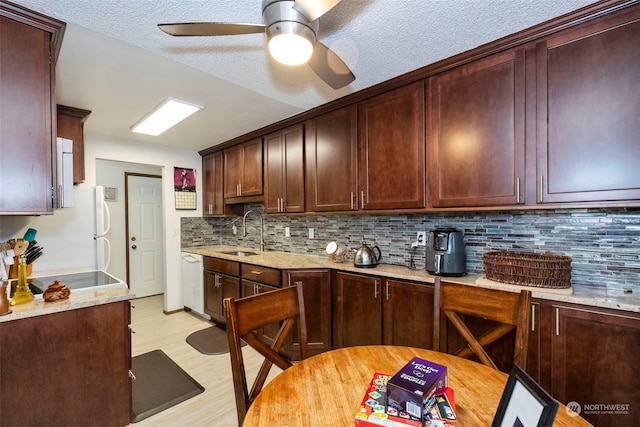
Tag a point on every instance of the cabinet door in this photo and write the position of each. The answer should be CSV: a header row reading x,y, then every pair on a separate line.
x,y
251,183
274,179
357,310
232,171
213,200
217,287
331,161
476,122
284,171
26,128
293,169
212,296
391,149
90,345
595,362
71,126
316,285
588,109
407,314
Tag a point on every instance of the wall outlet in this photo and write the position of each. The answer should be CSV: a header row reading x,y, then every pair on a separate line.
x,y
422,238
287,232
312,234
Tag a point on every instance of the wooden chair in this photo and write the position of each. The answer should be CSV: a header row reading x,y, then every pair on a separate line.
x,y
510,309
247,315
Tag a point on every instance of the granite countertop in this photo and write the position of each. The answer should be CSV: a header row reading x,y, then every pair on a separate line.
x,y
577,294
79,298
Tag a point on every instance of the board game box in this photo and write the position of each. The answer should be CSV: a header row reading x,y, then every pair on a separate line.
x,y
413,389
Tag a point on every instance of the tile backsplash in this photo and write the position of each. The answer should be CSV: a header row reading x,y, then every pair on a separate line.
x,y
604,244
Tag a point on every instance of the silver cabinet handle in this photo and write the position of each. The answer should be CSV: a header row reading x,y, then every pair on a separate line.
x,y
362,199
376,292
387,290
541,188
533,318
131,375
557,321
351,199
518,190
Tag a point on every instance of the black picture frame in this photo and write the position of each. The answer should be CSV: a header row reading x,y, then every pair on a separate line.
x,y
524,403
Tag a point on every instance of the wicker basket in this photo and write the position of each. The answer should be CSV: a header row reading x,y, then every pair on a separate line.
x,y
529,269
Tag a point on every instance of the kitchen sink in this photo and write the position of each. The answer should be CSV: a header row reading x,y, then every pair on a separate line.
x,y
240,253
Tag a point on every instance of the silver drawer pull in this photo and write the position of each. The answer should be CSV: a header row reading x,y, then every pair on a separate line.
x,y
256,272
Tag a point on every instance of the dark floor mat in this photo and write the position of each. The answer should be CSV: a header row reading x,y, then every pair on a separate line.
x,y
159,384
212,340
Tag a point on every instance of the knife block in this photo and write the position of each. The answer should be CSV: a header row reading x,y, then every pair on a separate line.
x,y
13,269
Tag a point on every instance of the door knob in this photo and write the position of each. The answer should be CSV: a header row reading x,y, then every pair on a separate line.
x,y
133,239
134,247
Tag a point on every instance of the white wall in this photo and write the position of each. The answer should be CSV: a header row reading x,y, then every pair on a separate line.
x,y
98,148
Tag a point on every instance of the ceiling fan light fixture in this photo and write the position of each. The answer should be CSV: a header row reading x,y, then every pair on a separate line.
x,y
290,49
291,43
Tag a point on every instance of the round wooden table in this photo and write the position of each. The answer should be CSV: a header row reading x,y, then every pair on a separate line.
x,y
326,390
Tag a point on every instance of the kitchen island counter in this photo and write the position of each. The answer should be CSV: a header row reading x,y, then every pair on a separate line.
x,y
78,299
577,294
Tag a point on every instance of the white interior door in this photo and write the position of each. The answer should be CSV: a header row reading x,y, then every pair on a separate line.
x,y
145,238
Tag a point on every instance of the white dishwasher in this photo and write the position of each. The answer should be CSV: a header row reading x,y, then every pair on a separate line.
x,y
193,283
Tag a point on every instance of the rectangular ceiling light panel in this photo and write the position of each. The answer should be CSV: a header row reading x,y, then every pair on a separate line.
x,y
165,116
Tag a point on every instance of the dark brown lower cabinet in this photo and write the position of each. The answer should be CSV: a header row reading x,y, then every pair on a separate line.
x,y
221,280
217,287
316,285
594,362
369,310
588,356
69,368
407,315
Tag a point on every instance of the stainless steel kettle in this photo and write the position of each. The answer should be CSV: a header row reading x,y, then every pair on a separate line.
x,y
366,256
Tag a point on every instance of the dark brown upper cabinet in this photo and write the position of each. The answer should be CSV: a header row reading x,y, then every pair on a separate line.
x,y
476,133
331,161
284,170
213,200
243,171
391,149
588,107
28,46
71,126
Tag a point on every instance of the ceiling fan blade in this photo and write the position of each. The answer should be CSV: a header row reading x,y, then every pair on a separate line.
x,y
329,67
210,29
314,9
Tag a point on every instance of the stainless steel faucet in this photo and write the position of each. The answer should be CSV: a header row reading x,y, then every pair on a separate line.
x,y
244,227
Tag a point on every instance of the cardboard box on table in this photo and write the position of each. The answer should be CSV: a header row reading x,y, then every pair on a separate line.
x,y
413,389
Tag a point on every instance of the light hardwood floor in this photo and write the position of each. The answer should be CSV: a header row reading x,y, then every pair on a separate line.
x,y
216,405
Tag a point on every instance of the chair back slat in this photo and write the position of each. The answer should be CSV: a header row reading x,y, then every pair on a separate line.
x,y
510,310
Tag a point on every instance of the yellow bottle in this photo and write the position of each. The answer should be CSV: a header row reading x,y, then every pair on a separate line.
x,y
22,294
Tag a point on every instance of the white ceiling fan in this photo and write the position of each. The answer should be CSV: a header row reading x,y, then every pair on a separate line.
x,y
292,29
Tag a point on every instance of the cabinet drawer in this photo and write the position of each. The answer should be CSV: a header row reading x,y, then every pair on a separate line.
x,y
231,268
269,276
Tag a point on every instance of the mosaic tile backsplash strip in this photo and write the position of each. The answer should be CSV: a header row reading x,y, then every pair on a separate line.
x,y
604,245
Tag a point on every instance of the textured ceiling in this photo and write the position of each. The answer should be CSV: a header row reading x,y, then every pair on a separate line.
x,y
115,62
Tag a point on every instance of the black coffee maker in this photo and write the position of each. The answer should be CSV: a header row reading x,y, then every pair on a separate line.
x,y
446,252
